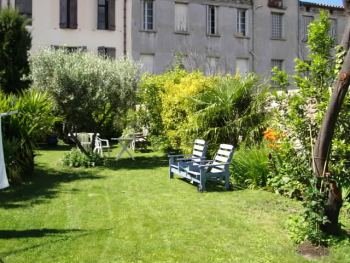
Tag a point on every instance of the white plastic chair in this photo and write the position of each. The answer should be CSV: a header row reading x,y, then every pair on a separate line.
x,y
101,144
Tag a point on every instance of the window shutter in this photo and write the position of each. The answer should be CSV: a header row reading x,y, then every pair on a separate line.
x,y
111,52
111,14
63,14
73,14
101,51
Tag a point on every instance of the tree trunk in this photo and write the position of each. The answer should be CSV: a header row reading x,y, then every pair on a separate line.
x,y
323,143
77,142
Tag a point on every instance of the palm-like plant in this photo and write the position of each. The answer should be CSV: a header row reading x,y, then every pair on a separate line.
x,y
34,119
233,108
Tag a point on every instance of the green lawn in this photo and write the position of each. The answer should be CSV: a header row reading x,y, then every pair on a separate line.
x,y
132,212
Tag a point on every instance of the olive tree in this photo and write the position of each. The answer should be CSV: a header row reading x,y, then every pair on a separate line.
x,y
88,89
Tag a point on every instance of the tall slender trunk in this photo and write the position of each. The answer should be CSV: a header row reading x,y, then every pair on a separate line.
x,y
323,143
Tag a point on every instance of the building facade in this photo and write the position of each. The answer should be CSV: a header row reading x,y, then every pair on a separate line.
x,y
214,35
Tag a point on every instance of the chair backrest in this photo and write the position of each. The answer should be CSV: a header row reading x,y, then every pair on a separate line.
x,y
83,137
199,150
224,155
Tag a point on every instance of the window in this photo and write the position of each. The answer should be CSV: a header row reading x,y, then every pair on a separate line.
x,y
333,28
106,14
212,65
68,14
242,22
107,52
147,62
277,63
70,49
212,20
275,3
242,66
24,7
306,22
148,15
181,10
277,25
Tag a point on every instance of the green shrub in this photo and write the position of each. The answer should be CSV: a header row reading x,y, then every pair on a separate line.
x,y
21,131
233,108
167,105
182,106
76,158
15,42
250,166
290,171
90,92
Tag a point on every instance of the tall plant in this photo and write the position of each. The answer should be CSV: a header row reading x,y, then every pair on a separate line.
x,y
21,132
15,42
302,121
233,109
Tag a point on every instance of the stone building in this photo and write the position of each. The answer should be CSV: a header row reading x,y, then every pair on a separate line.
x,y
215,35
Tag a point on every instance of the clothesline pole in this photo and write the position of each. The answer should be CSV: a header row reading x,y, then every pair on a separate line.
x,y
3,176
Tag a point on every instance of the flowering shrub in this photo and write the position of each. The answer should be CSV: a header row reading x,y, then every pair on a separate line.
x,y
167,105
178,107
299,116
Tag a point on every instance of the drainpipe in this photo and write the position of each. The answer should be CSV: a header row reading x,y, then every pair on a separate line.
x,y
253,36
124,29
252,51
299,49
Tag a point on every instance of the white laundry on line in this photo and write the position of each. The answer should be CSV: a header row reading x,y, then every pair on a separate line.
x,y
3,176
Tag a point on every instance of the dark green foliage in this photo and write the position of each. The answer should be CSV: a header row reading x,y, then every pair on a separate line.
x,y
15,42
250,166
234,108
290,171
307,225
21,131
300,119
75,158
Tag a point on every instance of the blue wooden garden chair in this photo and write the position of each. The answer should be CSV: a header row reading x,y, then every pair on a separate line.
x,y
179,163
217,170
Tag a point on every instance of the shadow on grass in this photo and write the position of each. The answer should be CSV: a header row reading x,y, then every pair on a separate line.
x,y
9,234
60,235
41,187
210,186
60,147
140,162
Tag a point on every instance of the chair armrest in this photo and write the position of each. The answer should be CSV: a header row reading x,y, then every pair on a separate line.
x,y
212,165
200,159
178,155
105,141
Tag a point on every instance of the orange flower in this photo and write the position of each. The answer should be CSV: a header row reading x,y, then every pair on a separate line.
x,y
272,136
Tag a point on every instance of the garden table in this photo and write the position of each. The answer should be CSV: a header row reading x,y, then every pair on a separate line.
x,y
125,143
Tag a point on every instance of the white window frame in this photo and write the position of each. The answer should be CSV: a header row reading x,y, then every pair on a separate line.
x,y
177,20
242,26
143,68
246,60
277,25
146,20
279,63
333,28
210,20
306,22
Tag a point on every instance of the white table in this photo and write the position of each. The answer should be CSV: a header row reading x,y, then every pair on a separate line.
x,y
125,143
